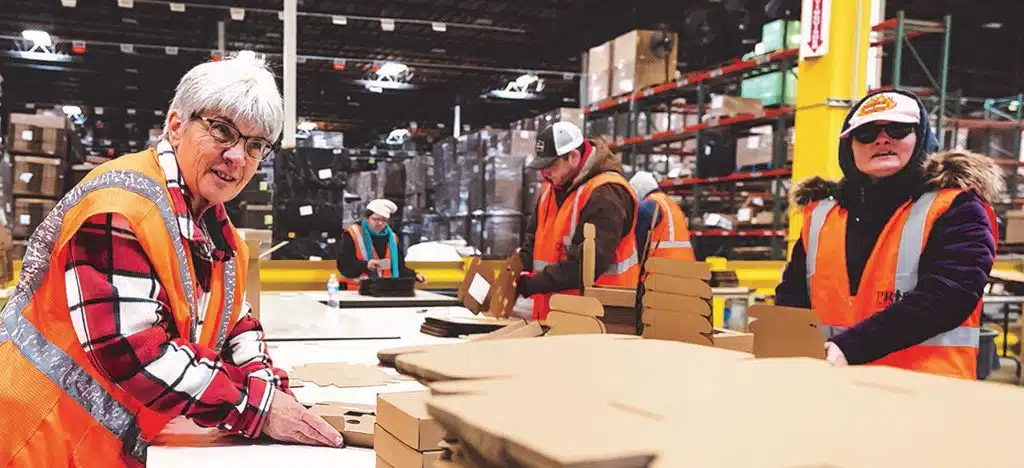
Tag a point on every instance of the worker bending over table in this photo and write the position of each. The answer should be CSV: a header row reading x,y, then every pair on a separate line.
x,y
371,247
130,309
894,258
583,183
661,219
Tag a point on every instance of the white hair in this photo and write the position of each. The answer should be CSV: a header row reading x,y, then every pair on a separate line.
x,y
241,87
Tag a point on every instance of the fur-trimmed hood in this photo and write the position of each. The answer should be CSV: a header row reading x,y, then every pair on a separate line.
x,y
602,159
945,169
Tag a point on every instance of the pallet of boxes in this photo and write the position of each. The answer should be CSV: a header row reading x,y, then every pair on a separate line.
x,y
40,146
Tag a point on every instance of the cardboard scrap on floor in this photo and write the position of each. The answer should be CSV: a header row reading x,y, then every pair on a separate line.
x,y
670,404
340,374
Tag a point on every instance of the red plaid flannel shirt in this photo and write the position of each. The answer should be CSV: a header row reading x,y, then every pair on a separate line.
x,y
122,317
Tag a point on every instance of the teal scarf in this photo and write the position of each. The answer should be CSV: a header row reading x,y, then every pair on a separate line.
x,y
392,245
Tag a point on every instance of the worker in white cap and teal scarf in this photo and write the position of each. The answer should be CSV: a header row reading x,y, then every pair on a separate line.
x,y
371,248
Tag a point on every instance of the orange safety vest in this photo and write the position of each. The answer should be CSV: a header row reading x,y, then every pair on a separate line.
x,y
363,254
891,271
556,227
58,409
669,235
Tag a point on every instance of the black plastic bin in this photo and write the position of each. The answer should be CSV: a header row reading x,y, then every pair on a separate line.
x,y
988,359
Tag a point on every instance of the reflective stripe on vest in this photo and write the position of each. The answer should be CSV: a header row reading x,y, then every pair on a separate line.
x,y
967,337
623,266
817,222
357,239
908,260
51,360
613,269
229,303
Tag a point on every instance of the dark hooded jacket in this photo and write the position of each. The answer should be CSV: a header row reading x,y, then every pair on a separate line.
x,y
610,209
954,265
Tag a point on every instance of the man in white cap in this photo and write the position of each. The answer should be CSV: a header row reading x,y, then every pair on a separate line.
x,y
371,247
583,184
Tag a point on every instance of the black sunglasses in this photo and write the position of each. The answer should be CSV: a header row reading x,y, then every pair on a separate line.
x,y
867,133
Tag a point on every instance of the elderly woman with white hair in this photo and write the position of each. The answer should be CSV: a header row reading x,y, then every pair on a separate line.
x,y
130,307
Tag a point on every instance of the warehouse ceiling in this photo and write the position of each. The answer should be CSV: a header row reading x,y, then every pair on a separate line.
x,y
476,46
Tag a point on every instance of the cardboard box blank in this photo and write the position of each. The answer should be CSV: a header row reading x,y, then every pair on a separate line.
x,y
399,455
786,332
599,62
575,315
678,268
355,425
404,416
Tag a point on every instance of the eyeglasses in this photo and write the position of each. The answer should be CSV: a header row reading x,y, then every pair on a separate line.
x,y
868,133
256,148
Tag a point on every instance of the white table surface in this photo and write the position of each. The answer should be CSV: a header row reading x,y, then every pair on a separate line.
x,y
301,317
353,297
183,444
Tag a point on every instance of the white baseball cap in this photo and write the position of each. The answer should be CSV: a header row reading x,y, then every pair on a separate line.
x,y
382,207
554,142
888,106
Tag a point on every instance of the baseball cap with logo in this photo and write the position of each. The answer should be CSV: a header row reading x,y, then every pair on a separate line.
x,y
554,142
887,106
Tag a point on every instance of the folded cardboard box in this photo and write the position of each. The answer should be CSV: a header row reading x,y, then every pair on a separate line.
x,y
404,415
395,453
634,64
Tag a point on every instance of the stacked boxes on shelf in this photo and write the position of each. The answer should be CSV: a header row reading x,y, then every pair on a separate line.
x,y
776,87
309,193
628,63
42,148
754,151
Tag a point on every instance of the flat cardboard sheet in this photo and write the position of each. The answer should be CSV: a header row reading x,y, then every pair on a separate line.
x,y
475,290
786,332
341,375
772,407
503,294
404,415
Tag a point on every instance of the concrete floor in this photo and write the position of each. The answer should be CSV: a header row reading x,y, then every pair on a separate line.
x,y
1006,374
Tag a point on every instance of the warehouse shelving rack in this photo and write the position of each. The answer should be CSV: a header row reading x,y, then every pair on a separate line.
x,y
697,86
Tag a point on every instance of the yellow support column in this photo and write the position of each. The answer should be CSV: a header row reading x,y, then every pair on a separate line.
x,y
823,82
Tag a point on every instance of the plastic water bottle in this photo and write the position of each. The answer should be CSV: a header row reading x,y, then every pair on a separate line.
x,y
333,290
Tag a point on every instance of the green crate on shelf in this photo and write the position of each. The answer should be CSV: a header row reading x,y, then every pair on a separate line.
x,y
771,88
780,34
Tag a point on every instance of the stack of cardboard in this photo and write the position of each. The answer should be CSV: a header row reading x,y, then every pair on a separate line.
x,y
619,314
626,64
677,306
405,435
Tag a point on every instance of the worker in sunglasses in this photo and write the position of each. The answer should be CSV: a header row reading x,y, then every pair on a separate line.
x,y
895,256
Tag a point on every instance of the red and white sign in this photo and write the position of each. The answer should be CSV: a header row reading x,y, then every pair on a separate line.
x,y
815,20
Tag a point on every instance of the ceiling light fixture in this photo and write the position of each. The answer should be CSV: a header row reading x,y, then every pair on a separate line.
x,y
177,7
126,3
170,50
992,25
238,14
69,3
37,37
392,69
438,26
387,24
72,110
339,20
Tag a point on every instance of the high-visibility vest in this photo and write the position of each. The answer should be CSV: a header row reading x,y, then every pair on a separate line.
x,y
556,226
669,235
58,409
365,253
890,272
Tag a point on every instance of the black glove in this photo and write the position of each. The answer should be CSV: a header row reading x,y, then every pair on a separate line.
x,y
525,286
